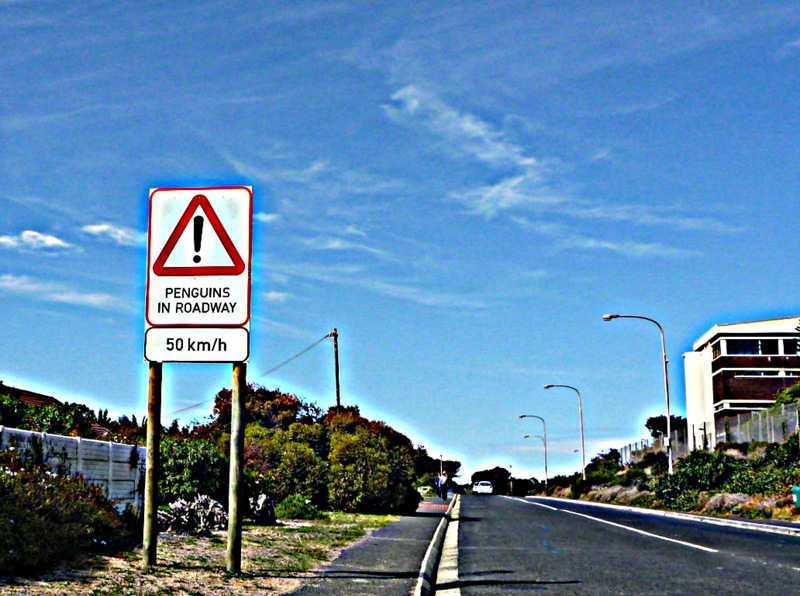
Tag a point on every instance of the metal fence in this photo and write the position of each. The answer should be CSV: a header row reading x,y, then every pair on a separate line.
x,y
119,468
635,452
774,425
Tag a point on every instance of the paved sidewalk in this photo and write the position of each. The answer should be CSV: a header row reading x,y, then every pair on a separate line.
x,y
387,562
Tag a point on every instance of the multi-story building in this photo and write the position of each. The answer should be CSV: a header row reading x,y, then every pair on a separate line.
x,y
737,368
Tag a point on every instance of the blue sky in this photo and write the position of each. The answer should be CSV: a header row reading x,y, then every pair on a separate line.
x,y
462,189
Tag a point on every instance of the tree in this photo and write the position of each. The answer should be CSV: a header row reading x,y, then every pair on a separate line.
x,y
498,476
657,425
280,466
788,395
371,467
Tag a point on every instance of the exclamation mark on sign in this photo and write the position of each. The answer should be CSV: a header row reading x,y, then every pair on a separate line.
x,y
198,236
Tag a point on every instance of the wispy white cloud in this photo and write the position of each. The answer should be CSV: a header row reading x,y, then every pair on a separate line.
x,y
464,132
334,243
423,296
30,240
324,273
565,238
644,106
527,183
319,176
357,276
518,192
121,235
601,154
790,48
53,292
274,296
40,205
627,248
647,216
283,329
266,217
354,231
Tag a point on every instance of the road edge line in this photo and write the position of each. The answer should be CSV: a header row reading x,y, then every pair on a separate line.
x,y
431,559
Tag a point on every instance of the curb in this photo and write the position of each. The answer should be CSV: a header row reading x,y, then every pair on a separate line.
x,y
756,526
431,559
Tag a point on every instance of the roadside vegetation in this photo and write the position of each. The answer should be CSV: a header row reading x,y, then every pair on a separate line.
x,y
300,462
745,479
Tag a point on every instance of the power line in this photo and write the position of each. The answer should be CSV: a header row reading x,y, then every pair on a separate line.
x,y
282,364
272,370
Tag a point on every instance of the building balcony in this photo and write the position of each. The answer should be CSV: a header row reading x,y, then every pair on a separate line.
x,y
755,362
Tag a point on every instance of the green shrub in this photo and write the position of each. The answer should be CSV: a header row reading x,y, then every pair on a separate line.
x,y
46,518
581,486
732,445
57,419
191,467
764,481
632,477
656,461
368,474
295,507
783,455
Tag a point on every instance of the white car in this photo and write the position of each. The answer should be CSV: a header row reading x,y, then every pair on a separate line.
x,y
484,487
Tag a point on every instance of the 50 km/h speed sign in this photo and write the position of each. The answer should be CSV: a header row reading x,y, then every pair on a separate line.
x,y
197,307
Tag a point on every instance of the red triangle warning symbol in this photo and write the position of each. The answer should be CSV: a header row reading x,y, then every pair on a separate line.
x,y
237,266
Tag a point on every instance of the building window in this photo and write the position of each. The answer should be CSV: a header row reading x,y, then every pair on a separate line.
x,y
790,346
769,347
743,346
757,373
716,350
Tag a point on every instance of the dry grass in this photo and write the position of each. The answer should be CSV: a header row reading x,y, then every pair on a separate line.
x,y
275,560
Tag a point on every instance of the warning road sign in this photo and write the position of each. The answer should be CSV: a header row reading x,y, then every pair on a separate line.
x,y
198,255
198,207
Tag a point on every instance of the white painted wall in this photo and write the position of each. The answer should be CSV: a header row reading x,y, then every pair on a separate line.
x,y
699,396
99,462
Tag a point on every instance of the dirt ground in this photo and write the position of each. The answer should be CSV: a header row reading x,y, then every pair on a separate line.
x,y
275,560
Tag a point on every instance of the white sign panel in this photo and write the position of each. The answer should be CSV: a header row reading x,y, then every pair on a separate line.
x,y
198,269
196,344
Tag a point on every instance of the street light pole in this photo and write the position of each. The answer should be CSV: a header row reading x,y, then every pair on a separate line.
x,y
580,414
544,438
666,377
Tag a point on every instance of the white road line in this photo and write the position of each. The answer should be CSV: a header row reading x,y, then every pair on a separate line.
x,y
693,517
629,528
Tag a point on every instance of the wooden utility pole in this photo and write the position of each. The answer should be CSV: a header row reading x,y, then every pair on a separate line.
x,y
149,551
335,335
235,508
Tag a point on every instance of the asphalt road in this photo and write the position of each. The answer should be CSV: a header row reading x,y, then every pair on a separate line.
x,y
386,563
508,546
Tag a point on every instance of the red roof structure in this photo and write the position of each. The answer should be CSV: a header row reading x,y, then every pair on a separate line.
x,y
29,397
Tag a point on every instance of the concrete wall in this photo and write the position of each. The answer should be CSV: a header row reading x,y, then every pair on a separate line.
x,y
699,397
112,465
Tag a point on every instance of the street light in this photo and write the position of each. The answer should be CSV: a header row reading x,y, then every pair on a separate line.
x,y
544,438
580,414
666,377
545,454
